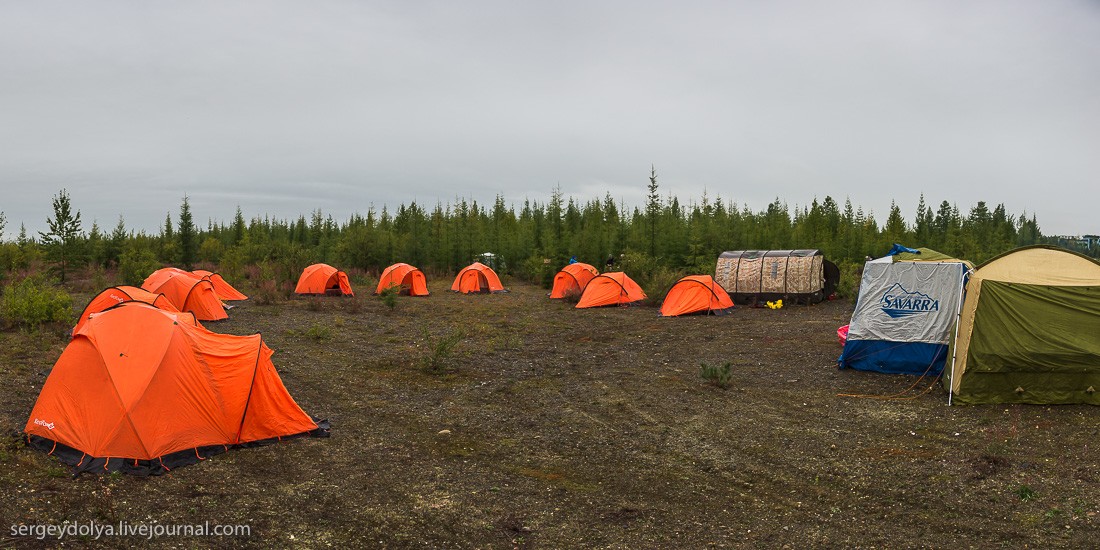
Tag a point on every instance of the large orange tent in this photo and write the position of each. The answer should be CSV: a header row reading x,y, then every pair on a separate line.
x,y
572,278
610,289
225,290
138,391
477,278
187,292
323,279
120,294
410,279
696,294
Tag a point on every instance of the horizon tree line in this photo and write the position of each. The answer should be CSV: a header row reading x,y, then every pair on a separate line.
x,y
534,239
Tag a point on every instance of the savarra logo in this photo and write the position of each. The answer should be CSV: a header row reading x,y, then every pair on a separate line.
x,y
898,302
43,423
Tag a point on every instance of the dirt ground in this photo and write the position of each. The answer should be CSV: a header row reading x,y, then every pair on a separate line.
x,y
554,427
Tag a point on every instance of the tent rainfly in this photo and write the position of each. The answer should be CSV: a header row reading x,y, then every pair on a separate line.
x,y
139,392
410,279
572,279
477,278
225,290
696,294
610,289
323,279
1028,330
121,294
187,292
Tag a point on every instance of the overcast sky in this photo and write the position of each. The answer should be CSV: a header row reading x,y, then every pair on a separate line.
x,y
287,107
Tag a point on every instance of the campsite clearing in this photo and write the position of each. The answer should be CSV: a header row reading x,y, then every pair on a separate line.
x,y
557,427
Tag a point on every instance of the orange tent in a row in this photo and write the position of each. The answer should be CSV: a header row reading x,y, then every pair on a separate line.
x,y
610,289
138,391
696,294
120,294
187,292
323,279
477,278
225,290
410,279
572,278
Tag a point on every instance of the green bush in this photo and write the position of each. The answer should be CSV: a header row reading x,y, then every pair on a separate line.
x,y
717,375
32,302
389,296
266,293
136,264
657,284
638,265
850,275
439,352
536,269
351,304
319,333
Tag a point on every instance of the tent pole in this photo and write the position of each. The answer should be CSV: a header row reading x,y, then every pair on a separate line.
x,y
955,341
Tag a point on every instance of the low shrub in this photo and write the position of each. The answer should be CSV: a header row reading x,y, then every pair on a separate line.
x,y
136,264
266,294
319,333
1026,493
351,304
851,274
717,375
32,302
388,297
657,284
439,351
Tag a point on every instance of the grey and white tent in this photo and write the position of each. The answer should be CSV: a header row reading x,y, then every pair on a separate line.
x,y
905,313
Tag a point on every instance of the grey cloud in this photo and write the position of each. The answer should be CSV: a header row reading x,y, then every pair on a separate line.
x,y
286,107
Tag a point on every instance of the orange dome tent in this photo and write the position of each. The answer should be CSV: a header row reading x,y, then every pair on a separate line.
x,y
121,294
610,289
696,294
138,391
410,279
187,292
323,279
477,278
572,278
225,290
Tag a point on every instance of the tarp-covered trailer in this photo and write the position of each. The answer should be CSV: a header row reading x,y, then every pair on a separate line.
x,y
754,276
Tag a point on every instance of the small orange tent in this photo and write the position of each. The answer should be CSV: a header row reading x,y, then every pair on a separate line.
x,y
187,292
137,391
610,289
225,290
572,278
695,294
410,279
477,278
121,294
323,279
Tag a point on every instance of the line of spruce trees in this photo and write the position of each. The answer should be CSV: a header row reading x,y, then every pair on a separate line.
x,y
663,234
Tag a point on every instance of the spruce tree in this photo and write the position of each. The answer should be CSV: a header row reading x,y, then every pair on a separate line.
x,y
238,226
187,235
63,241
116,242
652,210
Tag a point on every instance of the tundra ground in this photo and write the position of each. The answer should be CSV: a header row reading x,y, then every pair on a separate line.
x,y
547,426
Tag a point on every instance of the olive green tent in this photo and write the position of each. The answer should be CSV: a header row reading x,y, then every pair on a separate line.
x,y
1028,330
